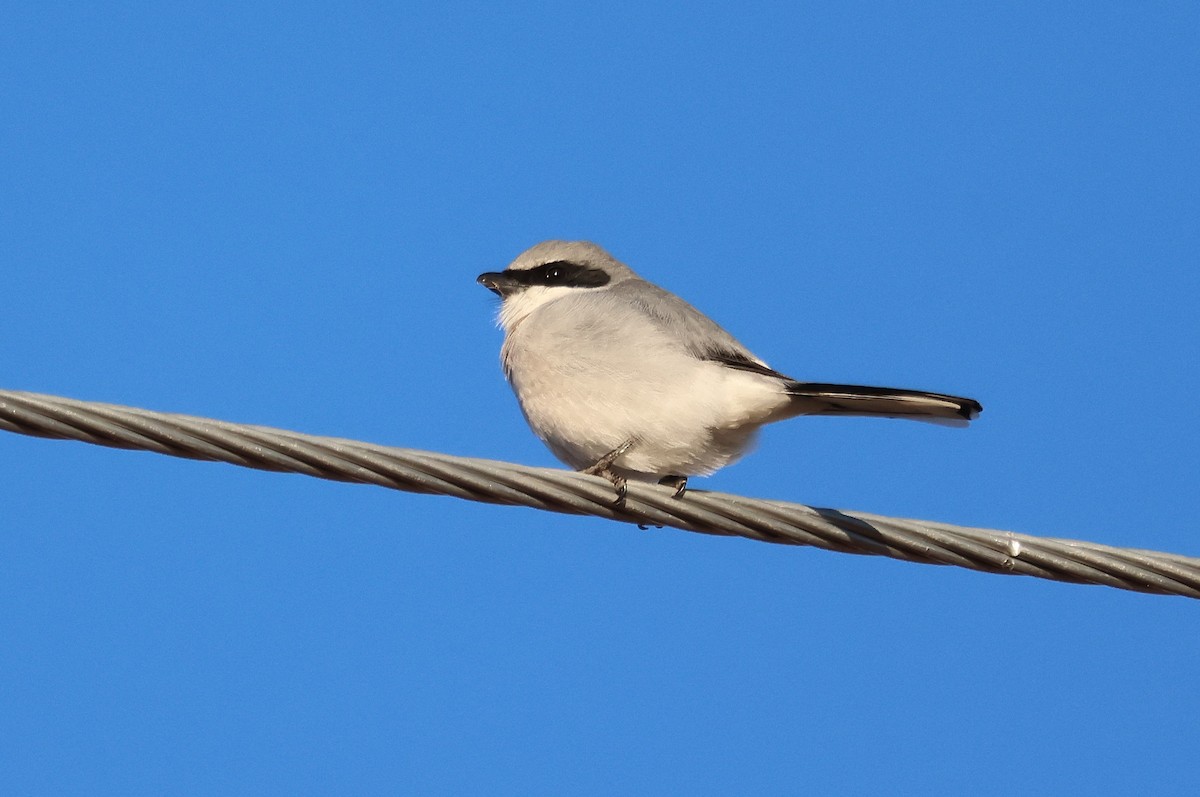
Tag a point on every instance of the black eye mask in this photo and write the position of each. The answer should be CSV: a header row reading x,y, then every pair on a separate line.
x,y
560,272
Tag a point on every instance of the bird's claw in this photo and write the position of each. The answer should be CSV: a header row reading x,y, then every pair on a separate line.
x,y
602,467
678,482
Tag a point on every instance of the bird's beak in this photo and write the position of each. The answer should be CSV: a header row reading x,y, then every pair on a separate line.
x,y
498,283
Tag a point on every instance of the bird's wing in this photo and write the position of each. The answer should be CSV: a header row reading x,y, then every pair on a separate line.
x,y
695,332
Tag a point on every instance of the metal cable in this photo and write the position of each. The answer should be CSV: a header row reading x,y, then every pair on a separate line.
x,y
574,493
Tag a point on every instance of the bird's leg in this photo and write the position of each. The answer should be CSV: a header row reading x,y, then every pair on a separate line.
x,y
602,467
678,482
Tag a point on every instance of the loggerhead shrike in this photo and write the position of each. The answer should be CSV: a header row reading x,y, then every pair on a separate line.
x,y
622,379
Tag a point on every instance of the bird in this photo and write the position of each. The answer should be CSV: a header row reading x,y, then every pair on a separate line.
x,y
625,380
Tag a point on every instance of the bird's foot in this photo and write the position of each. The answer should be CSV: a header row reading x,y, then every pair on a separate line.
x,y
678,482
603,467
680,485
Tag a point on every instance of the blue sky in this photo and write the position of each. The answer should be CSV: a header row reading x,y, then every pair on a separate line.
x,y
275,214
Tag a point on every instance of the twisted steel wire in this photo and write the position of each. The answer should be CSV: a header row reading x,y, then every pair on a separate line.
x,y
563,491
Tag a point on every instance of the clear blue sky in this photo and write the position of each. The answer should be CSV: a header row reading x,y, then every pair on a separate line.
x,y
275,214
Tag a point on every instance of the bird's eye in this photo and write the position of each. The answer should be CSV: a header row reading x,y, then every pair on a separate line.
x,y
558,273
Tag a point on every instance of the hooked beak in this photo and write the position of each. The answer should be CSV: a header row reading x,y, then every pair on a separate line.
x,y
498,283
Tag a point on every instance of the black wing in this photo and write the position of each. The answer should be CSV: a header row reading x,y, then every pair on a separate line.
x,y
740,362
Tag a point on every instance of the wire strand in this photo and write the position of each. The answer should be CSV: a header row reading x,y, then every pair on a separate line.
x,y
567,492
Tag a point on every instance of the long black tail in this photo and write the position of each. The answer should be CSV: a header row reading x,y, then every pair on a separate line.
x,y
817,398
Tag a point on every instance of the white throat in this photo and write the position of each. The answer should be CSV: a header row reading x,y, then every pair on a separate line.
x,y
516,308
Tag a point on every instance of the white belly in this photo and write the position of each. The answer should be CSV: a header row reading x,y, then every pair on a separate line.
x,y
685,416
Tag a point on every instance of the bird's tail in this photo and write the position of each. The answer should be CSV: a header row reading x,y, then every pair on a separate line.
x,y
816,398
